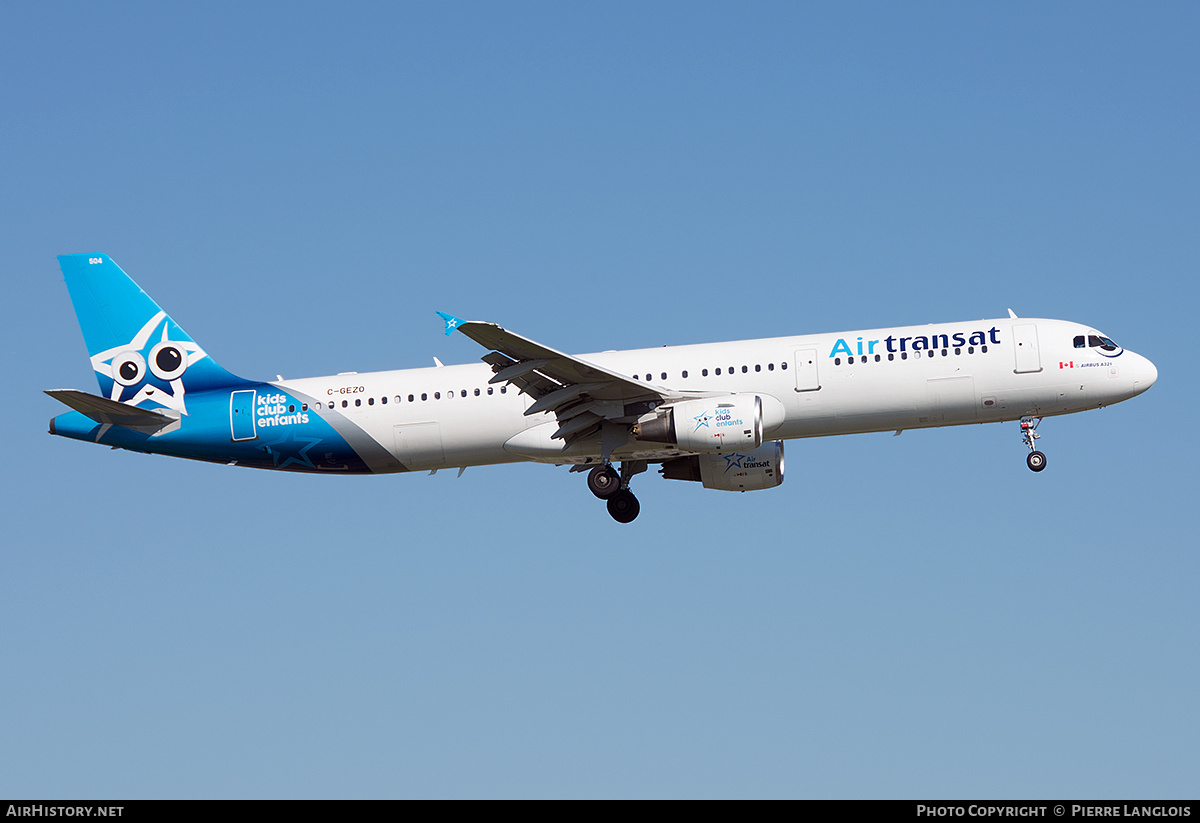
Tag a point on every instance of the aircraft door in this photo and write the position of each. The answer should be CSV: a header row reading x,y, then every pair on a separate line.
x,y
1026,348
807,378
241,415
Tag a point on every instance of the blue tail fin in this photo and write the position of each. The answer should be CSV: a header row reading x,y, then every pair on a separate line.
x,y
138,352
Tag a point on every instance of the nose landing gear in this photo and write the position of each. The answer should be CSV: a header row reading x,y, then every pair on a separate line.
x,y
604,482
1036,461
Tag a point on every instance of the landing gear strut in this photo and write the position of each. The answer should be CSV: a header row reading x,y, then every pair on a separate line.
x,y
1036,461
608,485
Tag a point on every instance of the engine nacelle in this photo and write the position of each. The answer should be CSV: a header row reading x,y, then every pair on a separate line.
x,y
760,468
717,424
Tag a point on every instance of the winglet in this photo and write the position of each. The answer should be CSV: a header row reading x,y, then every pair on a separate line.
x,y
452,322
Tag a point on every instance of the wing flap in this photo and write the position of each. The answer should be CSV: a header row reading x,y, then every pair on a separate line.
x,y
581,395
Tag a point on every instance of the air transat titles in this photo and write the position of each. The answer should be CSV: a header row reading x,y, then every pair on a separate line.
x,y
918,342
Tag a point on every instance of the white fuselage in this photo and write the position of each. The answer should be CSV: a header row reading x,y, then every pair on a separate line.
x,y
862,381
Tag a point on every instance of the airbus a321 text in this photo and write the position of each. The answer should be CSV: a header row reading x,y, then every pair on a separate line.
x,y
714,413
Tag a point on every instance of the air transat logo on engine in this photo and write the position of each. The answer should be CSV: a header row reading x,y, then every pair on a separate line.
x,y
920,342
743,462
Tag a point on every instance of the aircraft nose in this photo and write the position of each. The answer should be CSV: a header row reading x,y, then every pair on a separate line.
x,y
1144,375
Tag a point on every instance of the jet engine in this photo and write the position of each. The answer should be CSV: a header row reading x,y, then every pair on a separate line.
x,y
715,424
760,468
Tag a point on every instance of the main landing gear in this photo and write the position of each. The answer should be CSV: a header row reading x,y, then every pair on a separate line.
x,y
1036,461
613,488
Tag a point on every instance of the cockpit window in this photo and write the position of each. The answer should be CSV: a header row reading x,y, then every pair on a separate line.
x,y
1079,342
1098,342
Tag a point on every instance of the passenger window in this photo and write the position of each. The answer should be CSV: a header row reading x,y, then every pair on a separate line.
x,y
783,365
664,375
685,374
745,369
358,401
490,390
837,361
718,372
477,392
770,367
424,396
704,372
758,367
345,403
370,401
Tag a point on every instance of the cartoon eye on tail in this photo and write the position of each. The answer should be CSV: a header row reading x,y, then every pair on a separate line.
x,y
167,362
129,368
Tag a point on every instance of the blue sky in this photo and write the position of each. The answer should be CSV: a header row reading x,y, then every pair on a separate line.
x,y
302,186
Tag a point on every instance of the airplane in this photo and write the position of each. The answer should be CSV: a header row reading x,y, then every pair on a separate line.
x,y
716,414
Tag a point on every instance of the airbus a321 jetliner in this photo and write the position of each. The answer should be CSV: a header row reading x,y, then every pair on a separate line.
x,y
715,413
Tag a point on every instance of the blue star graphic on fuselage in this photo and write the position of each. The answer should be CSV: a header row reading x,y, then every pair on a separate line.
x,y
733,461
291,450
702,421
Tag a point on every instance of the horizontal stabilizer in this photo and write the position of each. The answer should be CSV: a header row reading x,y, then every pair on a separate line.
x,y
113,413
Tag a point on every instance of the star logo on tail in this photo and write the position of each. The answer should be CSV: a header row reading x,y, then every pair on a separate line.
x,y
151,366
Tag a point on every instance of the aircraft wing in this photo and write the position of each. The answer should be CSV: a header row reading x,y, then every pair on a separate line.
x,y
581,394
112,412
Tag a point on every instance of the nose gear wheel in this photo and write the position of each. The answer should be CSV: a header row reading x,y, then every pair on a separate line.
x,y
1036,461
